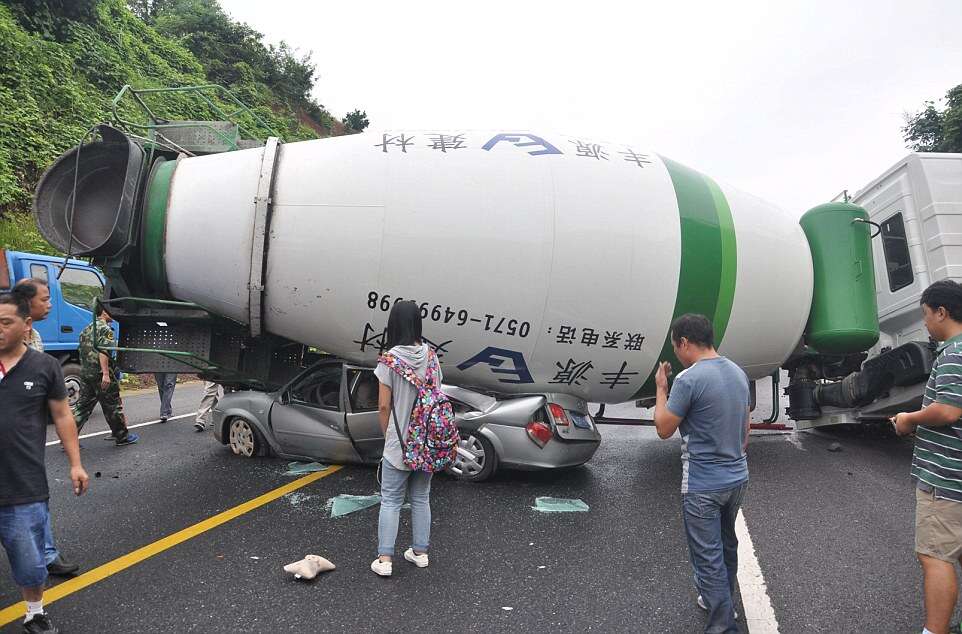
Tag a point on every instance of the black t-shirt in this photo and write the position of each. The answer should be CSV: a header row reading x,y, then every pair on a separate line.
x,y
24,413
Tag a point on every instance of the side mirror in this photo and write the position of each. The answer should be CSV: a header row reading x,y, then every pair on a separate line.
x,y
284,398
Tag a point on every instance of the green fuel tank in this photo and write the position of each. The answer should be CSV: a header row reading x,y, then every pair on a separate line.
x,y
844,314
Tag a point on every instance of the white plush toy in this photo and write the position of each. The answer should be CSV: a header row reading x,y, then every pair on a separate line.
x,y
309,567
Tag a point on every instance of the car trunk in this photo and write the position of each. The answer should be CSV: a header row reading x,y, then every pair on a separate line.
x,y
570,419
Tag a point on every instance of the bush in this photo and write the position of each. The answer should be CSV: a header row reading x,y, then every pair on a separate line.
x,y
18,232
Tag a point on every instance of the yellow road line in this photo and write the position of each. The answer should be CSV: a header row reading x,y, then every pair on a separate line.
x,y
17,610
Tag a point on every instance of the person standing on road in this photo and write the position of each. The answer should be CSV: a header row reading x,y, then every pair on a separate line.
x,y
710,406
404,341
98,380
166,382
213,392
38,293
937,459
32,392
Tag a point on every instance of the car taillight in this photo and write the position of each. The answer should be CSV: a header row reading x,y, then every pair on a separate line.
x,y
539,433
559,415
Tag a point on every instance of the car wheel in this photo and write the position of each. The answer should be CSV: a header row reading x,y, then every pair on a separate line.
x,y
71,380
479,468
244,439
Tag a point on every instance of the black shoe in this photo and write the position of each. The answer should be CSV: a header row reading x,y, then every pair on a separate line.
x,y
40,624
163,419
199,426
61,568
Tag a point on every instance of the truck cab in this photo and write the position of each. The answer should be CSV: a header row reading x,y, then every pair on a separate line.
x,y
915,208
70,297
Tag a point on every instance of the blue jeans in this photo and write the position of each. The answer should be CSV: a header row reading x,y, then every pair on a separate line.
x,y
710,527
21,533
394,483
50,552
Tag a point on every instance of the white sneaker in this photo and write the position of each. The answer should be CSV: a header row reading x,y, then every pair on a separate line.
x,y
701,604
421,561
382,568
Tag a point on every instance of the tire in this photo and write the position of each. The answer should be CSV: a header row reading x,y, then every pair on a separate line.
x,y
71,379
244,439
486,460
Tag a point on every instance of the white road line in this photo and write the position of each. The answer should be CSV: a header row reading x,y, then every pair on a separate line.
x,y
104,433
759,614
796,442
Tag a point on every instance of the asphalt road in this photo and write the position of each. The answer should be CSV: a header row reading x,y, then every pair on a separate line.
x,y
833,535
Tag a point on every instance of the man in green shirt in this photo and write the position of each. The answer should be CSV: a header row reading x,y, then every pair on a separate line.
x,y
937,460
98,379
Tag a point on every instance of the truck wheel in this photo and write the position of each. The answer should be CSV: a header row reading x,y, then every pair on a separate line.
x,y
244,439
71,380
483,465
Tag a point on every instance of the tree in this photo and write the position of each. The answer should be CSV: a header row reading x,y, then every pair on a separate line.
x,y
356,121
148,10
932,130
52,18
234,52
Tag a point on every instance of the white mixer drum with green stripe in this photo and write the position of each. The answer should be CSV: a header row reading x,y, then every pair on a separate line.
x,y
541,262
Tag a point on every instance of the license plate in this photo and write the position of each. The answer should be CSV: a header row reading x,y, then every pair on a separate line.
x,y
580,421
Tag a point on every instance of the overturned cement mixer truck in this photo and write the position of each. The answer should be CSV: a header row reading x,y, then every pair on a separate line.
x,y
557,263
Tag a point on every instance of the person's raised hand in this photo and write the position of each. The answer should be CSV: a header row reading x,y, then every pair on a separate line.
x,y
661,376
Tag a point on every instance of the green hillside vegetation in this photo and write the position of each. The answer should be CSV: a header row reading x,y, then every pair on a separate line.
x,y
65,60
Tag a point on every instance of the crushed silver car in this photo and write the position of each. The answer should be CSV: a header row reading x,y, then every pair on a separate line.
x,y
329,413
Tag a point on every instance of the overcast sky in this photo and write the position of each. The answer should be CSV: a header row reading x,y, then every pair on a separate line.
x,y
790,101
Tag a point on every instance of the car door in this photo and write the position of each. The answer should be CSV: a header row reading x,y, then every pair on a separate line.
x,y
362,415
308,419
49,328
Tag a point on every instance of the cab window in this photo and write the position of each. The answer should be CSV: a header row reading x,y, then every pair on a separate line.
x,y
38,271
895,246
320,388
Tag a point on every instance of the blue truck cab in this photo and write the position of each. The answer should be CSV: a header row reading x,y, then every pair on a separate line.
x,y
70,298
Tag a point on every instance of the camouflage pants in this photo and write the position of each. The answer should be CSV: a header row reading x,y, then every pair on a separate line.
x,y
90,394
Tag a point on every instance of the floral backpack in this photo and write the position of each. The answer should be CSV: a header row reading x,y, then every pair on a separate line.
x,y
433,439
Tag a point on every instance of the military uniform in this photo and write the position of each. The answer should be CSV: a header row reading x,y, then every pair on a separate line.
x,y
35,341
90,377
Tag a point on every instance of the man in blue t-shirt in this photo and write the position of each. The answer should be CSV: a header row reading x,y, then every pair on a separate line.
x,y
710,407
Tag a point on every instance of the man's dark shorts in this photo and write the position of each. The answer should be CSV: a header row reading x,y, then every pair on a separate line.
x,y
21,533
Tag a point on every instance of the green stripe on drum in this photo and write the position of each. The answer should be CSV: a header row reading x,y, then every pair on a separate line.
x,y
706,281
729,261
154,229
